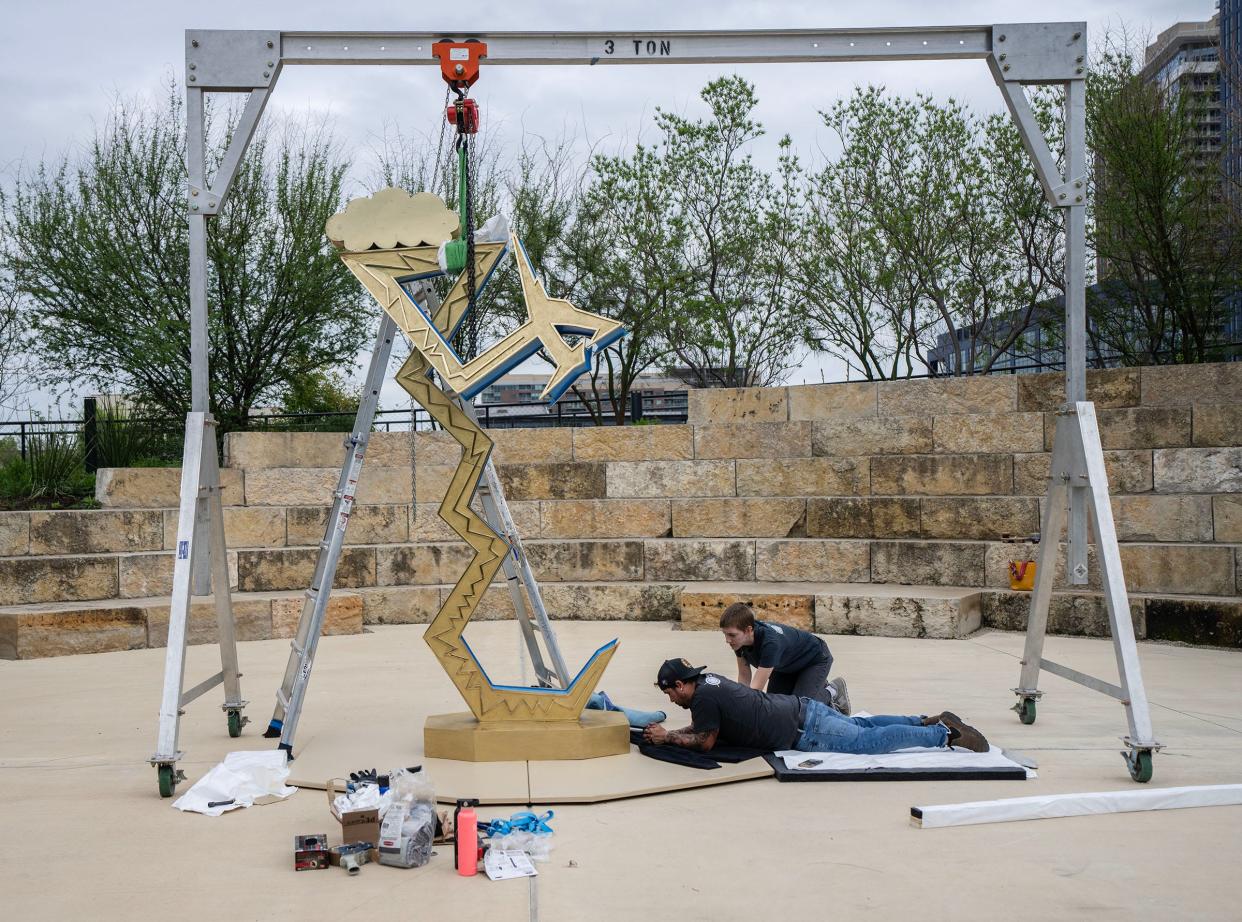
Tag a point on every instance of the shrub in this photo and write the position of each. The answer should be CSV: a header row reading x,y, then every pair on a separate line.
x,y
56,467
127,438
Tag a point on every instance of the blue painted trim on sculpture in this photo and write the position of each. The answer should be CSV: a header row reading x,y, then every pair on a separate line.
x,y
401,282
543,691
587,355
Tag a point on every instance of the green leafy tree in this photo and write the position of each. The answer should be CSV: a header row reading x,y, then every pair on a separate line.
x,y
739,324
321,392
1167,234
931,221
97,248
624,243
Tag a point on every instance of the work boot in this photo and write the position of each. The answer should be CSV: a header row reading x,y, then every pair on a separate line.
x,y
840,695
964,736
944,717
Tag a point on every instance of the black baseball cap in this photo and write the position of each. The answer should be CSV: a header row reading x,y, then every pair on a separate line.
x,y
677,670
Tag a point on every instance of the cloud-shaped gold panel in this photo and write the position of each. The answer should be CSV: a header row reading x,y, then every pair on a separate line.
x,y
392,218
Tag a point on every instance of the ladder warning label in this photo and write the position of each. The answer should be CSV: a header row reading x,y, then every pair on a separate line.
x,y
183,550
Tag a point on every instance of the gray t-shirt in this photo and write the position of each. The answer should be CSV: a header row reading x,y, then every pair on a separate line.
x,y
743,716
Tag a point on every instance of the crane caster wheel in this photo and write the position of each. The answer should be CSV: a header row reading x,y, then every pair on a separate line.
x,y
236,722
168,780
1139,763
1026,710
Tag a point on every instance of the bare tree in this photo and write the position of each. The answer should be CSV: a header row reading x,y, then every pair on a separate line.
x,y
416,163
15,364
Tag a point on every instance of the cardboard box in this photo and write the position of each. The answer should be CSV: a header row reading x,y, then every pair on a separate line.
x,y
356,825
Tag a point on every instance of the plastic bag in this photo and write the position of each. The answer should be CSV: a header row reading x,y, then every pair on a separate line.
x,y
239,779
411,787
405,835
539,847
494,230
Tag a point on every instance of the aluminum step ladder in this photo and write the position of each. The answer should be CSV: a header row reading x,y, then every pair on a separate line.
x,y
519,577
292,693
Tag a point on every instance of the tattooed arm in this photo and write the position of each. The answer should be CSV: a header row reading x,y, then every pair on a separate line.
x,y
686,738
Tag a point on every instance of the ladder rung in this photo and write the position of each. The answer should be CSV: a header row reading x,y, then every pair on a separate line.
x,y
300,651
282,698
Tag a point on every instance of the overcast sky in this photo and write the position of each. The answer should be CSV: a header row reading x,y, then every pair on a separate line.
x,y
62,65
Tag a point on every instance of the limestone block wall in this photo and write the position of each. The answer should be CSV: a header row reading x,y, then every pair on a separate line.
x,y
823,499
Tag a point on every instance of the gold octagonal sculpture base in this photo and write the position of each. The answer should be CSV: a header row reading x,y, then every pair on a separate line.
x,y
459,736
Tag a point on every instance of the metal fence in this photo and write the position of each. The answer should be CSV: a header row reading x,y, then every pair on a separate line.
x,y
164,433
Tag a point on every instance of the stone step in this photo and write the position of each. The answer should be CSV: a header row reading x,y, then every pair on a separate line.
x,y
1148,517
572,601
999,417
839,608
706,481
66,628
58,629
258,450
1191,569
1214,620
1188,387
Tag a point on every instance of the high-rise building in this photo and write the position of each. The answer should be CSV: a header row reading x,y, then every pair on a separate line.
x,y
1185,59
1230,16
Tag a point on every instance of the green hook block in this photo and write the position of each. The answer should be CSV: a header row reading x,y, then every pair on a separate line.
x,y
455,256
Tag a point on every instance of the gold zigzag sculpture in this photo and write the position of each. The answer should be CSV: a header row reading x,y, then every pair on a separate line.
x,y
382,271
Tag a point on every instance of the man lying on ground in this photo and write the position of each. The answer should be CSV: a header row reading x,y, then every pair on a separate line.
x,y
785,660
726,712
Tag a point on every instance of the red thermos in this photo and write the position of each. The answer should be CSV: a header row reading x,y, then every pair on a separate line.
x,y
466,830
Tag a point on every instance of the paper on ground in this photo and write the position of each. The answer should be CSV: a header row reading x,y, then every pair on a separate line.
x,y
1048,806
503,864
922,758
242,777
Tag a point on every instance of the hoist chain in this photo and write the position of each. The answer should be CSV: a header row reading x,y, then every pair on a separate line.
x,y
465,150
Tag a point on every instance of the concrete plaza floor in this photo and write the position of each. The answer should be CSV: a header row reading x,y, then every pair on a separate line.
x,y
85,834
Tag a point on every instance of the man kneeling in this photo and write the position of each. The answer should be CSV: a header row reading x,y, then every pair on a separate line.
x,y
730,713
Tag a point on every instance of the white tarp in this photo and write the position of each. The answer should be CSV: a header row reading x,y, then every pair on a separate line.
x,y
1048,806
922,758
242,777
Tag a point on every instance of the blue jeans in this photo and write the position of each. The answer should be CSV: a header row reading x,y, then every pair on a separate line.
x,y
827,730
601,702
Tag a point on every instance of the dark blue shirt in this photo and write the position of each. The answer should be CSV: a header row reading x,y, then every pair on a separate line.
x,y
782,648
